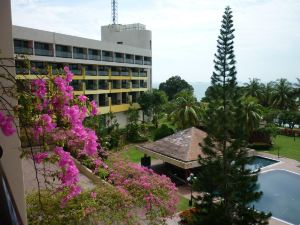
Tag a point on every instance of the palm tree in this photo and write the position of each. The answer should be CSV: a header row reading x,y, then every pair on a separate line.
x,y
253,88
252,113
185,113
267,94
283,95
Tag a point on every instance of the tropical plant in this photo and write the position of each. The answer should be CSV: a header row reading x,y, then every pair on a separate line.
x,y
163,131
282,96
174,85
253,88
185,112
227,187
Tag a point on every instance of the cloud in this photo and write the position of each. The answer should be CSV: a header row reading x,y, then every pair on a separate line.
x,y
185,32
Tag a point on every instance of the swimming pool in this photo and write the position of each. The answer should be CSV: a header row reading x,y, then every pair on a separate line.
x,y
281,195
260,162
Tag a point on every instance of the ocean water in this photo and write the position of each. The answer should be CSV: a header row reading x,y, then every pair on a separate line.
x,y
199,88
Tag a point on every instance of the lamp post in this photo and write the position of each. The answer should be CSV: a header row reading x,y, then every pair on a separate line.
x,y
190,180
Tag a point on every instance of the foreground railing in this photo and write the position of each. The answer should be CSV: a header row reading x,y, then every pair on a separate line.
x,y
9,214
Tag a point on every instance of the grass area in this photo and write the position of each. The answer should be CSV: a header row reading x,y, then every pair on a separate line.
x,y
287,147
133,155
183,204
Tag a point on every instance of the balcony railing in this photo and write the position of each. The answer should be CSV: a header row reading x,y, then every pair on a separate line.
x,y
9,212
124,73
125,85
23,71
135,85
43,52
91,72
119,60
95,57
23,50
143,74
63,54
107,58
129,61
91,87
76,71
38,71
147,62
135,74
143,85
103,86
140,62
104,103
116,102
116,86
103,73
79,55
115,73
125,101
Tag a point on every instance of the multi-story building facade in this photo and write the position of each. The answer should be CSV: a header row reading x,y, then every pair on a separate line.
x,y
114,71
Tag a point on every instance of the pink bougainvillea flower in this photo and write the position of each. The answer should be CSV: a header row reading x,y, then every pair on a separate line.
x,y
6,125
39,88
93,195
82,98
39,157
94,108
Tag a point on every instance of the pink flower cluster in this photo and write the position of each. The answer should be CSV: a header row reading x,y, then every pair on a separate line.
x,y
155,192
58,120
6,125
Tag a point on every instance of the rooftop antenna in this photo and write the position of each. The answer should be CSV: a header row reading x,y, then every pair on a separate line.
x,y
114,11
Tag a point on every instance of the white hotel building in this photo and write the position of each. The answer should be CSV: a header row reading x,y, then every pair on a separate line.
x,y
114,71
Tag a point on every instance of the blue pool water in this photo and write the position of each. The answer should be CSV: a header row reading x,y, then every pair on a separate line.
x,y
281,195
260,162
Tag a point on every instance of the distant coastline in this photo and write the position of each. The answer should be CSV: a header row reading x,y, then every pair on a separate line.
x,y
199,88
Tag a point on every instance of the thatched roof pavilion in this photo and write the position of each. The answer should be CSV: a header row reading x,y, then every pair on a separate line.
x,y
180,149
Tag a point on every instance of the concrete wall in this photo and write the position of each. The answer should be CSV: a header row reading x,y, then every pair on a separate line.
x,y
10,160
136,38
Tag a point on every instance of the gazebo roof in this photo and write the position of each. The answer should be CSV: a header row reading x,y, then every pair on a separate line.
x,y
180,149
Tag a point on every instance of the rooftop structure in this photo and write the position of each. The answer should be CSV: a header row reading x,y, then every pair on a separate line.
x,y
181,149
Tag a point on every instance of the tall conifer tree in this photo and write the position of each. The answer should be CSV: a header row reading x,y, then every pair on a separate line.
x,y
227,187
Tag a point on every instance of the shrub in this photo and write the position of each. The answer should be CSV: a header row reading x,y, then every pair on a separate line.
x,y
156,194
103,204
162,132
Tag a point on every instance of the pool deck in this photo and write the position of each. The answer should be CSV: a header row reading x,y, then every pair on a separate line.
x,y
283,164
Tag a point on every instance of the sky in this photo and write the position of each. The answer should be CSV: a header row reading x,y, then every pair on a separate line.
x,y
185,32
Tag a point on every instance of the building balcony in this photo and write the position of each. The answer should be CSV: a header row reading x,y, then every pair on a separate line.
x,y
126,85
39,71
76,71
124,73
119,60
23,50
94,57
135,74
143,74
103,73
91,87
147,62
116,86
115,73
104,87
143,85
140,62
129,61
107,58
91,72
79,55
43,52
116,101
63,54
23,71
104,103
135,86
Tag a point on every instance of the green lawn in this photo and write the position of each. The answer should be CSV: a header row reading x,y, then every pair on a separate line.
x,y
133,155
287,147
183,204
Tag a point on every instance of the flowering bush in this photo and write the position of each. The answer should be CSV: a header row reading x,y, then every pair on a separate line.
x,y
104,203
156,194
53,118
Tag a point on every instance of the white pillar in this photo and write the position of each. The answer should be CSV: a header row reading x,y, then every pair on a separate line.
x,y
10,160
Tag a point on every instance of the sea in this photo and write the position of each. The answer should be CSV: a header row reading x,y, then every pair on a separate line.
x,y
199,88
